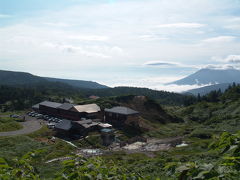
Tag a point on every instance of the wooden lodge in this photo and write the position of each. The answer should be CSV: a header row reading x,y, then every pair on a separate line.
x,y
68,111
118,116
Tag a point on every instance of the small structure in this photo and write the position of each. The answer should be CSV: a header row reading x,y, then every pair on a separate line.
x,y
104,126
118,116
64,127
93,97
107,136
85,126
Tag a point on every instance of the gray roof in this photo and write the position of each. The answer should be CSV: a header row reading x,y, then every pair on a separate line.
x,y
87,121
66,106
122,110
64,125
50,104
36,106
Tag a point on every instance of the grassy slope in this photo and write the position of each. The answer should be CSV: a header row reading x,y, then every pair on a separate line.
x,y
17,146
9,124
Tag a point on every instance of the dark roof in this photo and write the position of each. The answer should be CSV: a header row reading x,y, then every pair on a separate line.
x,y
36,106
64,125
87,123
50,104
122,110
66,106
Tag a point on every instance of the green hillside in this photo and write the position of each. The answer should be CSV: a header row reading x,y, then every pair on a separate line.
x,y
18,78
22,78
163,97
215,112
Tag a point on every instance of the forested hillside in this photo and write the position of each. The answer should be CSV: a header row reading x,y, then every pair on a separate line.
x,y
24,96
14,78
217,111
163,97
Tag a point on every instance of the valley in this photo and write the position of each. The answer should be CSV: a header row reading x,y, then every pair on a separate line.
x,y
166,136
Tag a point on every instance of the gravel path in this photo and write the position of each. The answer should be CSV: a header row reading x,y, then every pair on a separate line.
x,y
29,126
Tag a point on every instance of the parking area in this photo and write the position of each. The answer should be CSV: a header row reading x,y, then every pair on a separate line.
x,y
49,120
29,125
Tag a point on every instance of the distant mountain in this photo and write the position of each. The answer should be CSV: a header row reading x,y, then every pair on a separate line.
x,y
207,89
210,76
78,83
22,78
18,78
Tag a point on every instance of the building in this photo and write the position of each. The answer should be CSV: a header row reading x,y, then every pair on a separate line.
x,y
93,97
89,111
69,111
85,126
118,116
49,108
65,111
36,107
64,128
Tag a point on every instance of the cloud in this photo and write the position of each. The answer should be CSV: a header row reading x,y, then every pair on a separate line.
x,y
156,83
233,27
89,38
163,64
96,52
108,36
5,16
151,37
232,59
181,25
220,66
168,64
219,39
230,62
57,24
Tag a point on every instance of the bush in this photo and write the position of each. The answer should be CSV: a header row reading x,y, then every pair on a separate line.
x,y
202,134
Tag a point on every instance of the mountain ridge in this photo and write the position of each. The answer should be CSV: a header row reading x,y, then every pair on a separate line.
x,y
210,76
25,78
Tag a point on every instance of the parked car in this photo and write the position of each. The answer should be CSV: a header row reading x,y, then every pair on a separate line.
x,y
51,125
14,116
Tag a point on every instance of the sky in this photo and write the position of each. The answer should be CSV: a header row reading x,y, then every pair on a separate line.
x,y
141,43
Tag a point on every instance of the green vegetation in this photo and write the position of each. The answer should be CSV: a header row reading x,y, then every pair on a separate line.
x,y
215,159
22,97
163,97
9,124
209,125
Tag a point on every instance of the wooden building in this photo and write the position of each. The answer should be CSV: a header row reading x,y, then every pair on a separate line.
x,y
85,126
88,111
65,111
118,116
69,111
49,108
64,128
